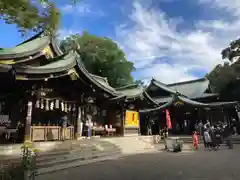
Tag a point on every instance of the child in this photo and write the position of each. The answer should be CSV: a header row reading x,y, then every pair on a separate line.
x,y
195,140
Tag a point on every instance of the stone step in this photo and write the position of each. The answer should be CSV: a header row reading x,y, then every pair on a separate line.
x,y
75,163
61,153
51,161
77,156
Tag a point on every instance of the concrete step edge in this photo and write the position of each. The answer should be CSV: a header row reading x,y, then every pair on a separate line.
x,y
62,152
74,157
74,164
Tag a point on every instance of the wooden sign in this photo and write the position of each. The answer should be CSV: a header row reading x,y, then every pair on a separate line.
x,y
132,119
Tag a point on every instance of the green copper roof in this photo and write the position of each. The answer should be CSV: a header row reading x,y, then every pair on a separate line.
x,y
131,92
171,100
58,64
25,49
191,89
162,107
199,104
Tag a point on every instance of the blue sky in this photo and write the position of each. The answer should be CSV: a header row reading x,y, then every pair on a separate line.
x,y
171,40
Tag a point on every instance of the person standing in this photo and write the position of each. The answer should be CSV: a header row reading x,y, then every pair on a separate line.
x,y
229,137
195,140
201,128
218,137
208,139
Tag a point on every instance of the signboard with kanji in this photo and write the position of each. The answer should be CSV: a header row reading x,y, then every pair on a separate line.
x,y
132,119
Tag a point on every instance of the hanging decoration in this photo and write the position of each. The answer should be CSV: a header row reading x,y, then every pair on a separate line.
x,y
42,104
52,104
47,105
37,104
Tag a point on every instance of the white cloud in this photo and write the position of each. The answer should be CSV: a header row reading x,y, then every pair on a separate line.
x,y
81,9
154,35
64,33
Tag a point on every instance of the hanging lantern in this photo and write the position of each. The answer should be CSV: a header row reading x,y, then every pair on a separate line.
x,y
37,105
42,104
57,106
62,106
51,105
47,105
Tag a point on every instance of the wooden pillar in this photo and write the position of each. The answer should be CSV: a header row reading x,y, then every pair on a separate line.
x,y
28,122
79,124
123,120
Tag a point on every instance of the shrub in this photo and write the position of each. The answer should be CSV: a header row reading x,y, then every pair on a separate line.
x,y
25,169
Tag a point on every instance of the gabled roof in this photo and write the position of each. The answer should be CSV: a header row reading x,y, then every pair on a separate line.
x,y
58,64
31,47
176,98
102,83
26,49
191,89
58,67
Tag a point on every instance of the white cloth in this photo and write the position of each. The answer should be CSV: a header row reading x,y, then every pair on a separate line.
x,y
207,137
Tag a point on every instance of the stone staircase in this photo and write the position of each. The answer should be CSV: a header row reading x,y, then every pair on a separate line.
x,y
75,153
61,155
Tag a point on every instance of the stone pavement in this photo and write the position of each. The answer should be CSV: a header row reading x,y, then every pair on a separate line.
x,y
201,165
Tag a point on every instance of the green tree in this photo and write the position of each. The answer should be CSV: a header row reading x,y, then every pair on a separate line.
x,y
140,83
101,56
221,75
232,51
30,15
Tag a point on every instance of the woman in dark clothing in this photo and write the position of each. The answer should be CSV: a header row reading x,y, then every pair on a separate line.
x,y
218,137
212,135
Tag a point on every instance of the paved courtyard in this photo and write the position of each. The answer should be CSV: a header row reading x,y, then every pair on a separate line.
x,y
202,165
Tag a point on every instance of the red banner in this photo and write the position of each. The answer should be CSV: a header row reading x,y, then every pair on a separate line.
x,y
168,119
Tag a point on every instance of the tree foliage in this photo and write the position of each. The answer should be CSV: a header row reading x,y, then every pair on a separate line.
x,y
232,51
33,15
101,56
222,76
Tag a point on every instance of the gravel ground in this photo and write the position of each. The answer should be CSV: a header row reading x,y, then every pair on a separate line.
x,y
202,165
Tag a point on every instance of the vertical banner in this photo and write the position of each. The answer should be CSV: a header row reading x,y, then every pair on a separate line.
x,y
168,119
132,119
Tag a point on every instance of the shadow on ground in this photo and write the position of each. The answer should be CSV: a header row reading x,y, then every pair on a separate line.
x,y
202,165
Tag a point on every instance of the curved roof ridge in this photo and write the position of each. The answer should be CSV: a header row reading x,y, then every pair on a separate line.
x,y
188,82
62,63
127,87
26,49
82,68
163,86
101,77
32,38
154,79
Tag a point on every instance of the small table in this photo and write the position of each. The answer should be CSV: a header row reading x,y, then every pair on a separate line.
x,y
9,132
